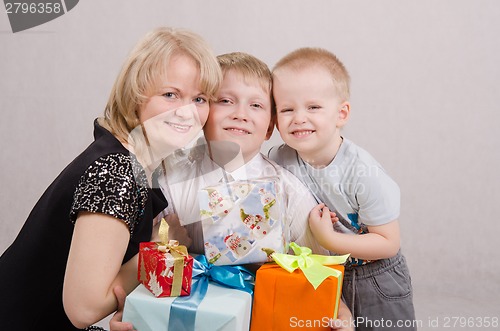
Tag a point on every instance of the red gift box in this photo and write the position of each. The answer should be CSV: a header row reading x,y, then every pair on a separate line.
x,y
165,269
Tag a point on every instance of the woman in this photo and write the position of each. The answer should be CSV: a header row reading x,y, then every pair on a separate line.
x,y
82,237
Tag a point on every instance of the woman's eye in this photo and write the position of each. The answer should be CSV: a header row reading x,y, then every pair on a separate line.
x,y
200,100
285,110
169,95
256,105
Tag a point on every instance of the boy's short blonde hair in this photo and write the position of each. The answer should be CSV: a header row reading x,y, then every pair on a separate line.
x,y
309,57
146,65
249,67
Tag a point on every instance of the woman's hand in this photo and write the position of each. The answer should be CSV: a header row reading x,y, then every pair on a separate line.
x,y
115,323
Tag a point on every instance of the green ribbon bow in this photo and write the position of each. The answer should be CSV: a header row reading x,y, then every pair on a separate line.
x,y
312,265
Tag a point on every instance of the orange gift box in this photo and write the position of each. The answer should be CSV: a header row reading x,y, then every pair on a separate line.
x,y
287,301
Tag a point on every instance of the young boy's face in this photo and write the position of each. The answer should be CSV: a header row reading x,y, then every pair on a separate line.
x,y
309,112
241,114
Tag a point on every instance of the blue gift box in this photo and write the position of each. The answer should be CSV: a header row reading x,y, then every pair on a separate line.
x,y
222,309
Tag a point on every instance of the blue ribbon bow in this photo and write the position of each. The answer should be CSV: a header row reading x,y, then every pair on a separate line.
x,y
183,309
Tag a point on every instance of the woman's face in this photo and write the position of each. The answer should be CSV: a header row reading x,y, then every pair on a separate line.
x,y
174,115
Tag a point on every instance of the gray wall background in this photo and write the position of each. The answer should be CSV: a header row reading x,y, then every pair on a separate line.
x,y
425,95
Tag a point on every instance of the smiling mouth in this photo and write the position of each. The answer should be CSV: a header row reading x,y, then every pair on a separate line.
x,y
179,127
302,133
238,131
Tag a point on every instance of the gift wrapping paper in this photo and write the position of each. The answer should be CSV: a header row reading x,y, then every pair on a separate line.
x,y
222,309
165,270
287,301
243,221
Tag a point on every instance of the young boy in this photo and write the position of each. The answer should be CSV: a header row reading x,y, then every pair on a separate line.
x,y
311,91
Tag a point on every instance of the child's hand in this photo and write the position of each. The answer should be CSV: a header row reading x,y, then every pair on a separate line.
x,y
344,321
320,222
333,217
115,323
337,325
322,212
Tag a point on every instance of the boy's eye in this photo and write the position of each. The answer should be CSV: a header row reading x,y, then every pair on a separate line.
x,y
284,110
314,107
256,105
224,101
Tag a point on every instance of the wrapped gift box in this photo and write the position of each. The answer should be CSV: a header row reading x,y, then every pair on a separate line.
x,y
243,221
287,301
222,309
165,270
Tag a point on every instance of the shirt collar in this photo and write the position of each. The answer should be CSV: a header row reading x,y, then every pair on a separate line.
x,y
251,169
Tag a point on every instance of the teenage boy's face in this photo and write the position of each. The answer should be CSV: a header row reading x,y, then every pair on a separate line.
x,y
241,114
309,113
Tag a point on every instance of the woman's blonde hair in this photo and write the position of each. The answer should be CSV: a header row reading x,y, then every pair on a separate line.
x,y
310,57
146,64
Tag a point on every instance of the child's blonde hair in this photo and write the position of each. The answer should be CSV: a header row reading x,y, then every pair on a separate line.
x,y
249,67
310,57
146,65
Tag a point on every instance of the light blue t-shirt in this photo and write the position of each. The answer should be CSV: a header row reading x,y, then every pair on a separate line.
x,y
354,185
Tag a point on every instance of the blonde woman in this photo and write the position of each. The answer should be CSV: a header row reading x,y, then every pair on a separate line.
x,y
82,237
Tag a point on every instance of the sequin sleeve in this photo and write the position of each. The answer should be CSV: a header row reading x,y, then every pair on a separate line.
x,y
110,187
